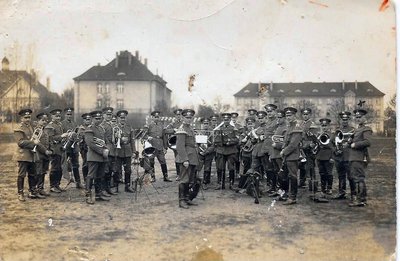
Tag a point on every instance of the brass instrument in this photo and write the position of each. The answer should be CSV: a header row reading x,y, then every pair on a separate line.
x,y
278,138
37,134
324,139
310,135
172,142
248,143
148,149
70,140
116,135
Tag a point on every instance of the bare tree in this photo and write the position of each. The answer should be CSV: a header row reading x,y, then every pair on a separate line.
x,y
335,108
302,104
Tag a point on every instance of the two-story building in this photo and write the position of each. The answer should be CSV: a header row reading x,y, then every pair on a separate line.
x,y
323,96
124,83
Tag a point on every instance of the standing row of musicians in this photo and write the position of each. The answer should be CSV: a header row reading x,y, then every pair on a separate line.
x,y
273,142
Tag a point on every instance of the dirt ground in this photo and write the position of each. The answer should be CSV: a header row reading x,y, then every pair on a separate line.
x,y
224,226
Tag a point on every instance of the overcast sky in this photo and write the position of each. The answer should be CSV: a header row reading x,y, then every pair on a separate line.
x,y
225,43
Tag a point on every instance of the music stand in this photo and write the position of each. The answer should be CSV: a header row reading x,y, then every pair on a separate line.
x,y
141,180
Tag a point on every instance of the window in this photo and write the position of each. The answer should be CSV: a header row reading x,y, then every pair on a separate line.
x,y
333,90
246,91
107,88
99,88
280,90
120,87
314,90
298,90
108,103
120,104
99,104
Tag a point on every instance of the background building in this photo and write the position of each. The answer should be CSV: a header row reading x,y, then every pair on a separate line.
x,y
124,83
20,89
325,98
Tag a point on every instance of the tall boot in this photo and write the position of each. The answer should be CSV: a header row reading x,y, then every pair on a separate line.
x,y
323,183
20,186
352,185
85,171
223,180
231,178
165,172
89,197
182,203
206,177
219,179
40,186
329,180
363,192
77,178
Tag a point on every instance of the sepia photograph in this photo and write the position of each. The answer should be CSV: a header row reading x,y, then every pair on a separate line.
x,y
198,130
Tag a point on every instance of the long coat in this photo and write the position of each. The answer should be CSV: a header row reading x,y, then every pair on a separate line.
x,y
186,146
275,151
226,140
108,128
269,130
22,136
156,131
293,135
361,141
54,131
95,152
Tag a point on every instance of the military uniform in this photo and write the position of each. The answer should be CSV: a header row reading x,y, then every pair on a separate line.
x,y
127,150
83,148
269,130
186,153
155,130
55,131
23,155
239,128
246,150
110,170
341,155
325,160
226,141
170,131
96,157
206,154
42,159
276,158
72,149
259,159
307,165
291,152
359,158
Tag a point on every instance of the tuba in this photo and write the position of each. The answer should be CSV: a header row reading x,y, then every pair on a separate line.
x,y
172,142
148,149
324,139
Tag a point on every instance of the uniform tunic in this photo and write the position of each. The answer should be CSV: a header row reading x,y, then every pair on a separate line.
x,y
186,151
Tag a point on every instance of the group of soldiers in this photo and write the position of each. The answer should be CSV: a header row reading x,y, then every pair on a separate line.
x,y
273,144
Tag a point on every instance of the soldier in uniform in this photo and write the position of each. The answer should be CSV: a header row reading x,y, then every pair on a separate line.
x,y
276,159
307,165
114,119
252,113
42,152
110,170
24,155
269,129
359,158
291,152
239,127
325,157
225,142
127,150
246,149
72,149
258,160
83,148
170,131
187,157
55,132
214,121
206,153
341,156
155,135
96,158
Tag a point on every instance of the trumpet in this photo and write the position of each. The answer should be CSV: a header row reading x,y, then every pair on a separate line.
x,y
117,134
37,134
70,138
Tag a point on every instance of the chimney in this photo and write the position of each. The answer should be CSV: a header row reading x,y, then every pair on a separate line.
x,y
116,60
137,54
145,62
271,85
343,85
48,83
355,85
129,58
5,64
33,77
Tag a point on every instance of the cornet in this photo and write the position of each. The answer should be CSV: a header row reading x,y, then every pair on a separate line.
x,y
117,133
37,134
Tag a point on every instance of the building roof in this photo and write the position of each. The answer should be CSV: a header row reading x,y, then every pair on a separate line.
x,y
9,77
309,89
126,68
